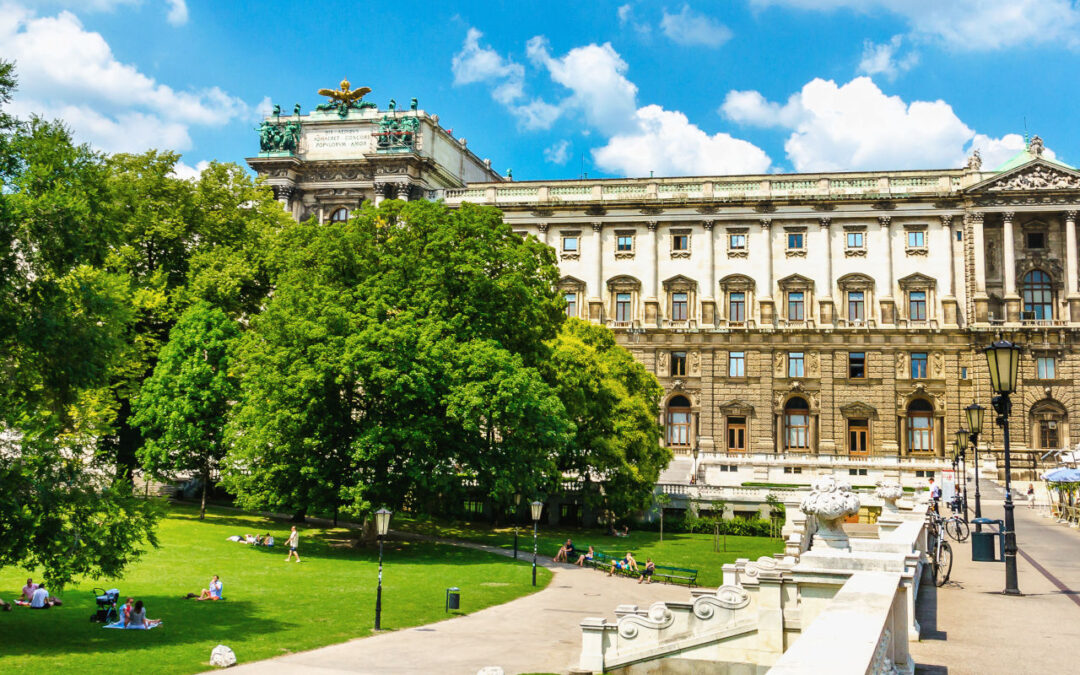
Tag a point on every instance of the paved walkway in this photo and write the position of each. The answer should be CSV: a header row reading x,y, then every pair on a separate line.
x,y
536,633
969,627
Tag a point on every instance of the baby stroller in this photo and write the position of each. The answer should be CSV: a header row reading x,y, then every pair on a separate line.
x,y
106,605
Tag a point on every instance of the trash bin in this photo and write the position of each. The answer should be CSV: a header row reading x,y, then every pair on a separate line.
x,y
453,598
984,548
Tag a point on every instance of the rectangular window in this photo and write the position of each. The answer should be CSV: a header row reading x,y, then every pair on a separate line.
x,y
679,428
737,307
918,365
795,364
624,242
924,474
1048,435
798,431
570,244
855,239
858,433
679,302
622,307
1045,367
795,306
736,364
737,242
680,242
678,364
792,469
856,472
856,365
963,372
1036,240
920,433
856,306
917,305
795,241
959,235
916,239
571,304
736,434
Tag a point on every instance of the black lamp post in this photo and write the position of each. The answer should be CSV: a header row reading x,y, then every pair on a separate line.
x,y
517,505
975,421
961,450
537,509
382,526
1003,358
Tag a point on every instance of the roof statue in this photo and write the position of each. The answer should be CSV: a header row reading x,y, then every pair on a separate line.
x,y
974,162
1035,146
344,99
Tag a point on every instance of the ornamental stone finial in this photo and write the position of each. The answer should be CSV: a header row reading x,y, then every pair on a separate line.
x,y
831,501
889,492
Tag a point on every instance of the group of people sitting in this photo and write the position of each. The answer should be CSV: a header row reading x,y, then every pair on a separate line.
x,y
627,564
254,539
133,615
33,596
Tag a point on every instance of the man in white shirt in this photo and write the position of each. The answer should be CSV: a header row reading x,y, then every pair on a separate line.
x,y
40,599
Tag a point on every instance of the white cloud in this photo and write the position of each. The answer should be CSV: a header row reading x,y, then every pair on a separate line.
x,y
65,70
558,153
178,14
666,142
690,28
858,127
996,151
975,25
882,59
627,19
188,172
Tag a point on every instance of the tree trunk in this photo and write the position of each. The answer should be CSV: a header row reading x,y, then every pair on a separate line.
x,y
300,516
205,482
661,523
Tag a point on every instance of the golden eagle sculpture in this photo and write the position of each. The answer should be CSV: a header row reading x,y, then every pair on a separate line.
x,y
345,96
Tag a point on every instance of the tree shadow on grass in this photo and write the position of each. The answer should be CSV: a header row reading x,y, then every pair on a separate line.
x,y
54,632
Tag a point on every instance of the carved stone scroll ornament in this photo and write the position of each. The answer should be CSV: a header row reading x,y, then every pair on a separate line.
x,y
831,502
889,492
727,597
754,568
658,617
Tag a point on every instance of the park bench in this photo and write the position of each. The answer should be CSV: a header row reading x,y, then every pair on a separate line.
x,y
676,575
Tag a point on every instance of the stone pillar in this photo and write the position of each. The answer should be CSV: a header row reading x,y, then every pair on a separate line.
x,y
708,298
543,228
381,190
980,301
949,303
598,267
765,300
888,304
652,273
825,298
1071,271
1008,263
402,191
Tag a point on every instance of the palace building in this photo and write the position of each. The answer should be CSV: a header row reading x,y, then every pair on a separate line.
x,y
821,314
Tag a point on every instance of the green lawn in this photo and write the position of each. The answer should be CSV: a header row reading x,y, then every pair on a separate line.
x,y
694,551
271,607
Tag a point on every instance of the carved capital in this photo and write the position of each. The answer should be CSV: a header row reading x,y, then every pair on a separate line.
x,y
884,221
651,224
543,227
825,222
381,189
1070,217
976,218
597,225
766,223
283,192
946,221
707,224
1007,216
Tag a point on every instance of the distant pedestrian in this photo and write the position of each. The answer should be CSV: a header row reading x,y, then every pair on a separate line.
x,y
293,543
935,496
1031,495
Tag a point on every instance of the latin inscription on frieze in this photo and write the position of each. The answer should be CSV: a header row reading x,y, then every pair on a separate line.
x,y
338,143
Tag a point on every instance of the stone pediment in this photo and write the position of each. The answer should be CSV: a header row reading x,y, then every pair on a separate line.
x,y
737,407
795,281
917,280
679,282
1038,174
571,283
858,410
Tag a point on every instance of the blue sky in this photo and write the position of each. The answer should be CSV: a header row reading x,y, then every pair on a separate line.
x,y
552,89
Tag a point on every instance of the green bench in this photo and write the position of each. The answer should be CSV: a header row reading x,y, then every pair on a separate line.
x,y
676,575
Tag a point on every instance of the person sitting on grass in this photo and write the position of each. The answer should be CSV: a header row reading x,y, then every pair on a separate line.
x,y
212,593
631,564
137,618
565,552
646,574
28,590
126,610
42,600
586,557
5,606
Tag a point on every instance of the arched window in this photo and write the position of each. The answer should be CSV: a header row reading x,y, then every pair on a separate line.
x,y
1038,296
797,425
920,426
339,216
678,422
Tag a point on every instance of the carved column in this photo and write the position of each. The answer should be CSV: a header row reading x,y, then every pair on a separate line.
x,y
381,190
1008,265
765,301
543,228
652,306
708,298
825,299
888,304
403,190
980,301
596,302
1071,266
949,303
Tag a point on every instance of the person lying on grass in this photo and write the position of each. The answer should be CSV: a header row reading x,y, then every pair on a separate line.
x,y
628,563
137,618
646,574
586,557
565,552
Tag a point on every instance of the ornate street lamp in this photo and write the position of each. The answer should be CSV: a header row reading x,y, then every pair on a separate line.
x,y
537,509
975,414
382,526
961,448
517,506
1003,358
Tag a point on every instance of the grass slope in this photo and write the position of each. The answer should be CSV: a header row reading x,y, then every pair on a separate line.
x,y
271,607
694,551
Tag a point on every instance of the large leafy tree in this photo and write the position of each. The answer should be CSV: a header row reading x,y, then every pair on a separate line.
x,y
614,405
181,409
62,323
397,362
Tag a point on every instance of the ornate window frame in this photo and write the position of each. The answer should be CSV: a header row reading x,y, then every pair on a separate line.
x,y
857,410
569,284
743,252
680,284
1051,411
737,283
797,283
569,255
1036,226
680,254
794,252
624,283
916,250
737,408
853,251
626,255
857,281
919,282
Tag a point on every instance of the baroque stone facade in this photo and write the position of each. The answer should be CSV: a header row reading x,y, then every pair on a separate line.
x,y
810,313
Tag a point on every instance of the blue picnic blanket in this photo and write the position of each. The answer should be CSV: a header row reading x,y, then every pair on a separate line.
x,y
120,624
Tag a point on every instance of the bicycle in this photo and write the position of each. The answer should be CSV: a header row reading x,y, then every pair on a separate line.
x,y
954,525
941,551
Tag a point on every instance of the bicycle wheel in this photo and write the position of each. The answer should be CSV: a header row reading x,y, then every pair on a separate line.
x,y
963,530
957,529
943,564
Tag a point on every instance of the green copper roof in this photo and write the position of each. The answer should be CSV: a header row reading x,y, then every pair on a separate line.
x,y
1025,156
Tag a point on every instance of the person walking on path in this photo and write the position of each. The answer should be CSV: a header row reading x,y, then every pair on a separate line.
x,y
1031,495
293,543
